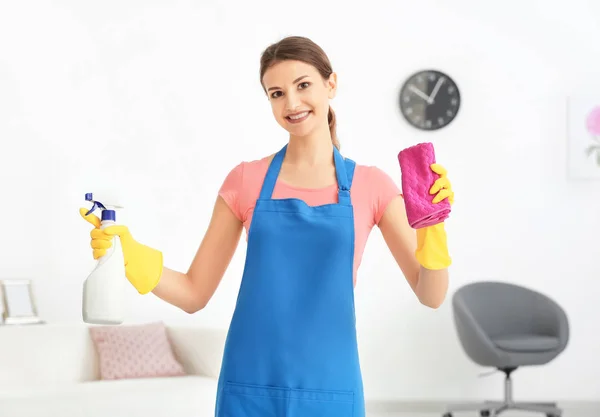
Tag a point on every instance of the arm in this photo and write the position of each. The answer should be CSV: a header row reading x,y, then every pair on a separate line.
x,y
192,290
144,267
429,285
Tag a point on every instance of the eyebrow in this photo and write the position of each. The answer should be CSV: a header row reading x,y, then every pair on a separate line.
x,y
295,81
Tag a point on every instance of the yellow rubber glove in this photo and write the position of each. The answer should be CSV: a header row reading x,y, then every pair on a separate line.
x,y
432,246
143,264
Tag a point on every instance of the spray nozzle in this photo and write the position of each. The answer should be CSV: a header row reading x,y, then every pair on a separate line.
x,y
107,214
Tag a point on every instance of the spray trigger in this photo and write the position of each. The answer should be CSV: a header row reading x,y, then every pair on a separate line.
x,y
89,197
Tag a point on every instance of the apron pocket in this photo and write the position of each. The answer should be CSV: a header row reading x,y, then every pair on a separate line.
x,y
320,403
244,400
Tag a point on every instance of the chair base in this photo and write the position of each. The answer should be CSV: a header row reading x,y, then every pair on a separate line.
x,y
494,408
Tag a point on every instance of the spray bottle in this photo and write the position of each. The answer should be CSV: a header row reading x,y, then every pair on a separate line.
x,y
104,289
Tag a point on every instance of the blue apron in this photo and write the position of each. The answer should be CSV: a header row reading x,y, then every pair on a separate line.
x,y
291,349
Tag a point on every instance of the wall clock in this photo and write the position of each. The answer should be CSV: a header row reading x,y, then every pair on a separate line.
x,y
429,100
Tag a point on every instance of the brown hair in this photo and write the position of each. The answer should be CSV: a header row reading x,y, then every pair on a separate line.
x,y
299,48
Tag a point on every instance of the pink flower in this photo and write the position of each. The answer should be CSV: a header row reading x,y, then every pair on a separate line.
x,y
593,121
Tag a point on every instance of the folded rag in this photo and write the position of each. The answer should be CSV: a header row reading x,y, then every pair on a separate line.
x,y
417,179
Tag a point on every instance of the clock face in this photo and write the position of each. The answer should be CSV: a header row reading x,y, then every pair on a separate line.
x,y
429,100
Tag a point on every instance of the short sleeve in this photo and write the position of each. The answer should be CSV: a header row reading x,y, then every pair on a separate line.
x,y
383,190
231,189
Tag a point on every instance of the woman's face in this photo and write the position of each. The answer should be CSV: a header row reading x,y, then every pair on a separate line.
x,y
299,96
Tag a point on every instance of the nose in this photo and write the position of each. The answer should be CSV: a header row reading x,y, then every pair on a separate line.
x,y
292,102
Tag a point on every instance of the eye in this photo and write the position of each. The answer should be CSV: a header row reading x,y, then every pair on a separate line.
x,y
303,85
275,94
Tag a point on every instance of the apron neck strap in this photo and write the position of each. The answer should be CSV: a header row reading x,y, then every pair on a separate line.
x,y
272,173
342,178
340,171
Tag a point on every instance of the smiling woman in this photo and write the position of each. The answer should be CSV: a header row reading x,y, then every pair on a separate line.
x,y
307,210
314,86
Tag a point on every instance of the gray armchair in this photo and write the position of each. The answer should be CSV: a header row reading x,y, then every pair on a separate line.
x,y
506,326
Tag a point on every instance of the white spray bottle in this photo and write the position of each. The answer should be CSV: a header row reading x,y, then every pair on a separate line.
x,y
104,289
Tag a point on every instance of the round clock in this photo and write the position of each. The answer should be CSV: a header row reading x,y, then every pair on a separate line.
x,y
429,100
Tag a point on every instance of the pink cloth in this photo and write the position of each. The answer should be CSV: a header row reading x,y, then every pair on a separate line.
x,y
371,192
417,179
135,351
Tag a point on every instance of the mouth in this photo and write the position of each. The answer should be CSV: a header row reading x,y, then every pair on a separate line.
x,y
298,117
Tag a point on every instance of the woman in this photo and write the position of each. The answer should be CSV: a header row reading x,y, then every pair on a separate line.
x,y
291,348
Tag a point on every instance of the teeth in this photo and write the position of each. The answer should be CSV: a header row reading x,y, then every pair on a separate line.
x,y
298,116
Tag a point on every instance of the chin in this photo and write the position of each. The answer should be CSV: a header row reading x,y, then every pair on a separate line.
x,y
298,131
301,133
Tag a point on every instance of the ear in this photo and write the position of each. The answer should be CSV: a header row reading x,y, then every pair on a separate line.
x,y
332,85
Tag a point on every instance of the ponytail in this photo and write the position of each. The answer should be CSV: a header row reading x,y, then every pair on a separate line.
x,y
332,126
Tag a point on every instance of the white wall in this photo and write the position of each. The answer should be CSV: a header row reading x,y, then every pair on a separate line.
x,y
89,95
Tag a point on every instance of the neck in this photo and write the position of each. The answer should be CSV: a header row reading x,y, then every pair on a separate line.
x,y
312,150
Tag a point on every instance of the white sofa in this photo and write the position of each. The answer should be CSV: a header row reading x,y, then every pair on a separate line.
x,y
51,370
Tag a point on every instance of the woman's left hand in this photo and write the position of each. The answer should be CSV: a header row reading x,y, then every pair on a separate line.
x,y
442,186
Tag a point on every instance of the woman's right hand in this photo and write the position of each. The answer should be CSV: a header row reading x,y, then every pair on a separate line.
x,y
143,264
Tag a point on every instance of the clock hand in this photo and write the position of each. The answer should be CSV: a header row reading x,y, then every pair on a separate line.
x,y
436,88
419,93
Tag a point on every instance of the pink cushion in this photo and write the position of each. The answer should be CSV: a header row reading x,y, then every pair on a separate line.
x,y
135,351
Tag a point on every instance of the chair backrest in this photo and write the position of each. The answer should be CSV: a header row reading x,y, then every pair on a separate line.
x,y
503,308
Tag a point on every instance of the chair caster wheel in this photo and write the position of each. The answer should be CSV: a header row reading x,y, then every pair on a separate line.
x,y
484,413
447,415
552,415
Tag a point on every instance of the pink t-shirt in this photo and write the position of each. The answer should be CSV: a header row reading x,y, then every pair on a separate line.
x,y
372,190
